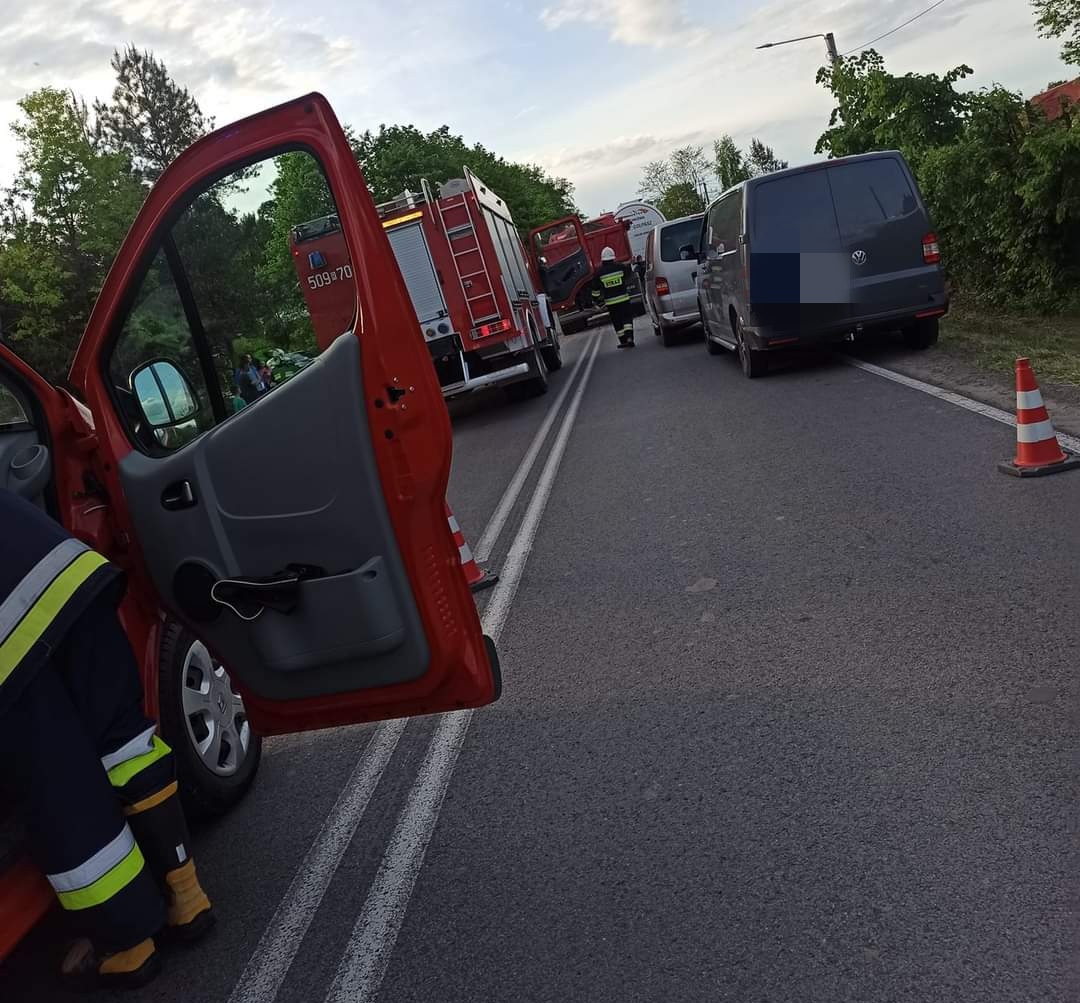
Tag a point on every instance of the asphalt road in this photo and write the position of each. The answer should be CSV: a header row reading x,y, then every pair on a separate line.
x,y
789,714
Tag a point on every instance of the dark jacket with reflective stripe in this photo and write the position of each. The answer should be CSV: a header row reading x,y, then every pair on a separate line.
x,y
47,579
612,282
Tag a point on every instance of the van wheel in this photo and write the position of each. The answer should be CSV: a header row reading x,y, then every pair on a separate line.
x,y
535,386
753,362
921,334
203,719
712,347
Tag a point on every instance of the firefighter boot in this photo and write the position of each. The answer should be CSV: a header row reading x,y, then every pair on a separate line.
x,y
85,968
161,832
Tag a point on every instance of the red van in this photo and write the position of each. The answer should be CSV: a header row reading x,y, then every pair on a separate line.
x,y
300,539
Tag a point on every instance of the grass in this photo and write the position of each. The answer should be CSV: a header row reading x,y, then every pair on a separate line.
x,y
994,340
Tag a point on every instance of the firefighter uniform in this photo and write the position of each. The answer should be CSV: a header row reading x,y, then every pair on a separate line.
x,y
612,286
96,783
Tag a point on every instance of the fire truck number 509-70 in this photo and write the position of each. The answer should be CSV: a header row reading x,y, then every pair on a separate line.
x,y
319,279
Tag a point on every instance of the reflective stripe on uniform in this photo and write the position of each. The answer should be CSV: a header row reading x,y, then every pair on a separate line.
x,y
139,745
617,300
123,772
40,597
100,877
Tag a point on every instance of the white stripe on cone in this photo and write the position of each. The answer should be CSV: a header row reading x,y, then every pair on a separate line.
x,y
1028,399
1037,431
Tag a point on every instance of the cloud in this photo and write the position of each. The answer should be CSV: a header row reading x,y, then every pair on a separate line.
x,y
239,46
632,22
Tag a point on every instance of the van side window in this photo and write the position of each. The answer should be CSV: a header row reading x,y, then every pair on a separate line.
x,y
869,193
725,222
246,277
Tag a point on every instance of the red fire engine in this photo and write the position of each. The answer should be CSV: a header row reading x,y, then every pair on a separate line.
x,y
564,256
476,304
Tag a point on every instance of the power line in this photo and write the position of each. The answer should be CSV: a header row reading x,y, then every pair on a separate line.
x,y
891,30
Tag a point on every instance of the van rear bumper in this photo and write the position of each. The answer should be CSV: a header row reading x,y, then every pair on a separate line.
x,y
772,339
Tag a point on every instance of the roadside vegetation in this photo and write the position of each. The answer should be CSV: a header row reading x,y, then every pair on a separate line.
x,y
84,170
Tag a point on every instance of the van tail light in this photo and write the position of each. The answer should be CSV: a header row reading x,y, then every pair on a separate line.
x,y
931,253
487,330
662,287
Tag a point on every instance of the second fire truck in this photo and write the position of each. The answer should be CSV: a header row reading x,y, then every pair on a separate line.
x,y
463,263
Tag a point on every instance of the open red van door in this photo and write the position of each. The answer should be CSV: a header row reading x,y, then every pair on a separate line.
x,y
297,528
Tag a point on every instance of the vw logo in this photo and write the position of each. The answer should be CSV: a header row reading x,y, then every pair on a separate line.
x,y
859,257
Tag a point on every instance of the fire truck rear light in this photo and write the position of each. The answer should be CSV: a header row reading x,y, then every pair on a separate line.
x,y
662,287
487,330
931,252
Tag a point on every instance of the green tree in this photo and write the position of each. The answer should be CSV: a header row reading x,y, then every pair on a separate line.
x,y
762,160
729,164
1060,19
65,215
151,118
676,181
681,199
298,194
876,110
397,157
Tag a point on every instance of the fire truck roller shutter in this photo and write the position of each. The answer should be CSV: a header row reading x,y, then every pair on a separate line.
x,y
413,258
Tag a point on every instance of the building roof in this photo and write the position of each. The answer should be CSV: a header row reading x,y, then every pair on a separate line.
x,y
1051,100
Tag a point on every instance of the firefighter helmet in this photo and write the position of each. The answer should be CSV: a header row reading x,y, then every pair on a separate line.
x,y
607,254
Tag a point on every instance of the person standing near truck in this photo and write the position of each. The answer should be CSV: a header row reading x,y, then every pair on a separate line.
x,y
612,286
96,782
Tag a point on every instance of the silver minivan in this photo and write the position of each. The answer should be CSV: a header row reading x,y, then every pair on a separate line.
x,y
670,291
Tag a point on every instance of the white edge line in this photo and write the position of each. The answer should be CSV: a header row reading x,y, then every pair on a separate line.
x,y
1069,442
269,964
270,961
367,954
502,511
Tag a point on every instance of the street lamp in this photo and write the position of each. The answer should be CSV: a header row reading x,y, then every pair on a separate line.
x,y
830,44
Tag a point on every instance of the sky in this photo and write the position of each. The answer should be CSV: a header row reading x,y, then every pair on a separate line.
x,y
589,89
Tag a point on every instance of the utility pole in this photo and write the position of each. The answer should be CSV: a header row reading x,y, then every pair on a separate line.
x,y
830,44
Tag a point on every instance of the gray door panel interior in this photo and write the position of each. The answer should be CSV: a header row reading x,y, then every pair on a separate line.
x,y
289,480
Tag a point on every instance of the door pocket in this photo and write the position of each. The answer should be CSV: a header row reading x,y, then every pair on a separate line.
x,y
338,618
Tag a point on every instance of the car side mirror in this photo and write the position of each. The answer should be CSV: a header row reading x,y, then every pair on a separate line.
x,y
164,394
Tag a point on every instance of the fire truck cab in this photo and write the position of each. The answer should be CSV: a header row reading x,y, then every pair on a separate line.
x,y
564,257
477,307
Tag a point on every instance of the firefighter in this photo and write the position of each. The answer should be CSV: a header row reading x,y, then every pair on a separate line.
x,y
98,786
612,286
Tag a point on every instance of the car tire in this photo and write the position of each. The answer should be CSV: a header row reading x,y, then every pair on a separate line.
x,y
754,363
202,718
922,333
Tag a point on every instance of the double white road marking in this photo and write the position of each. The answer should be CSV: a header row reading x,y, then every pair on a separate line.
x,y
370,945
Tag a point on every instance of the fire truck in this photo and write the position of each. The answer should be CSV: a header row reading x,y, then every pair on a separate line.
x,y
477,307
564,256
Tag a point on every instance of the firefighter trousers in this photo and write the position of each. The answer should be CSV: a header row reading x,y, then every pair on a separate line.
x,y
622,317
96,784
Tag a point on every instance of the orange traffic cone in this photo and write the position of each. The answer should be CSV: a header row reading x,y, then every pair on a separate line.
x,y
476,576
1038,451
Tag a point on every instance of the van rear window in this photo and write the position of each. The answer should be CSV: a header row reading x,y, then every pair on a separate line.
x,y
675,236
870,192
794,214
